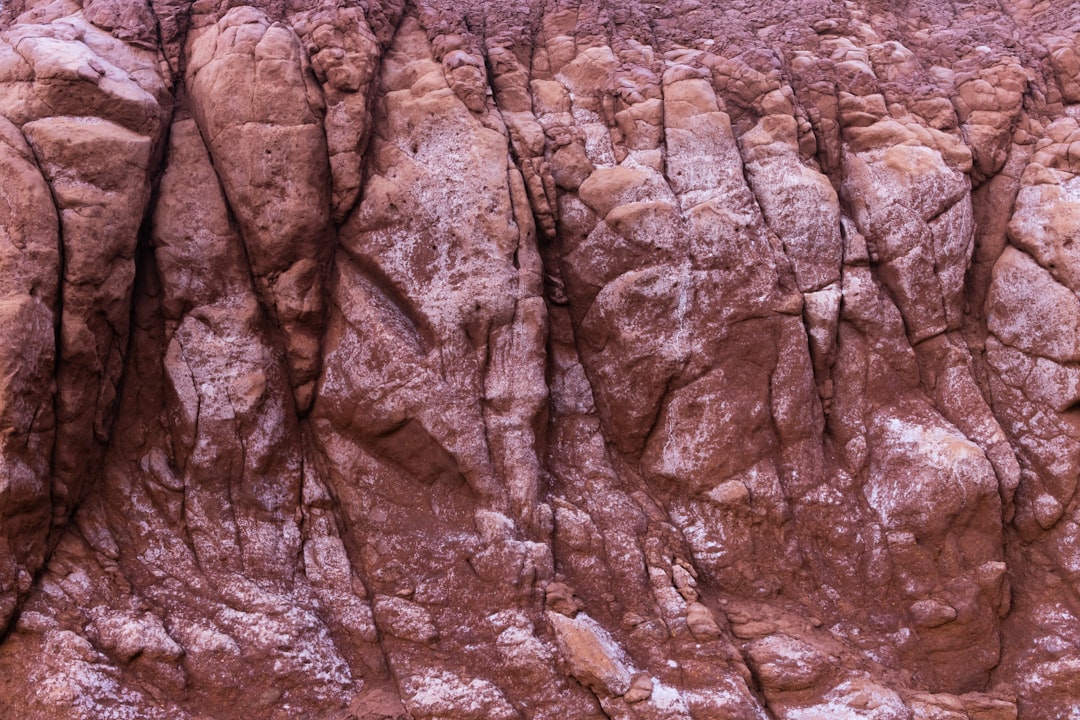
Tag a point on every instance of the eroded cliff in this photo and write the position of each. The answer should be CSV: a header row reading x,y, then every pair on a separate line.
x,y
553,359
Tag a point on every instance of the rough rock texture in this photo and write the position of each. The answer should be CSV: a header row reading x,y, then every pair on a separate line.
x,y
553,359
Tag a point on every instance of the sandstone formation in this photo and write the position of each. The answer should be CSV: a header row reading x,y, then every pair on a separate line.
x,y
539,359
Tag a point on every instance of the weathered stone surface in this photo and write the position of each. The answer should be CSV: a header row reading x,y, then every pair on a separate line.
x,y
29,278
432,360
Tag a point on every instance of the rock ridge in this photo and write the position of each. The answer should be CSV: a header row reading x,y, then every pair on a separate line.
x,y
539,359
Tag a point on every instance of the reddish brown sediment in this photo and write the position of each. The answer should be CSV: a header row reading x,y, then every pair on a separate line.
x,y
546,359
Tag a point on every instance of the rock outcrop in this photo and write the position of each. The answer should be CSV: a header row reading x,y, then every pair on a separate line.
x,y
539,359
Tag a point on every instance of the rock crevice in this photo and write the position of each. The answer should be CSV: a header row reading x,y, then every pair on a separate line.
x,y
537,360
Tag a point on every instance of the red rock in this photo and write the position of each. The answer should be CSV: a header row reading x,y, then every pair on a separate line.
x,y
539,360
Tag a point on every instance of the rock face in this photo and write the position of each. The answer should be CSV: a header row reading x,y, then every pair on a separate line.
x,y
539,359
